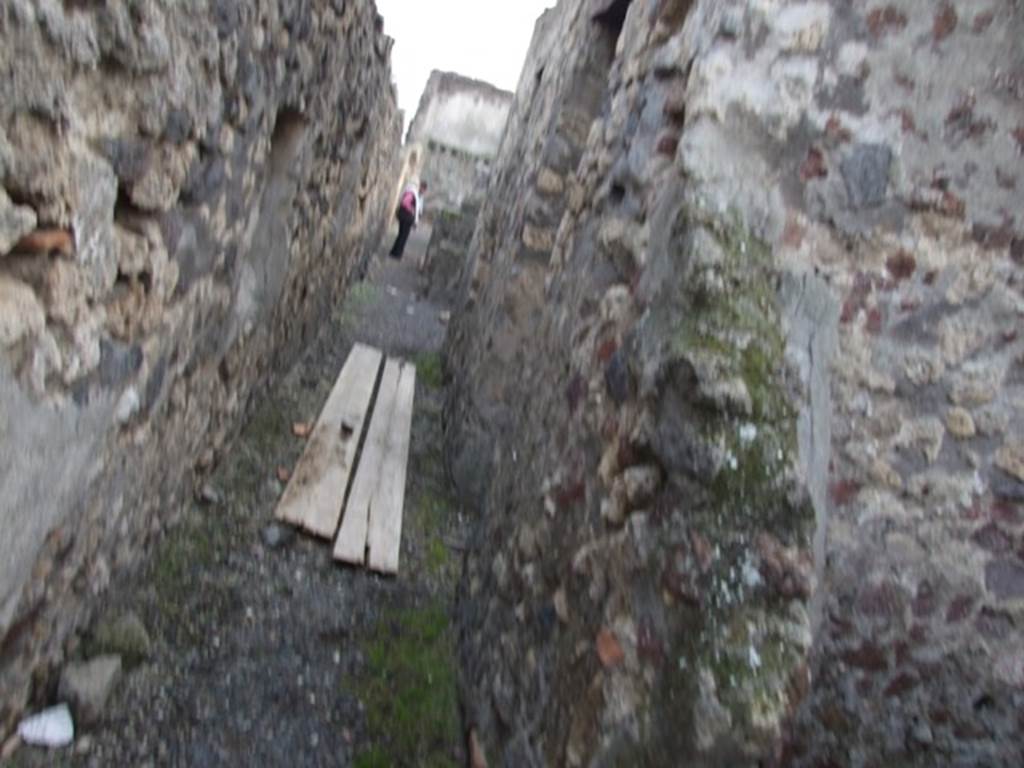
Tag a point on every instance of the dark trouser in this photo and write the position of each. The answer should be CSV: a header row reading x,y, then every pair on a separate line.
x,y
405,222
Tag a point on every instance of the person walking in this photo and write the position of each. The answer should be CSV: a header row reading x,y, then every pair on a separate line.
x,y
410,208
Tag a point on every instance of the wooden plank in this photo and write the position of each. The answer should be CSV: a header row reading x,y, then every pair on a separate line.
x,y
350,546
385,537
316,491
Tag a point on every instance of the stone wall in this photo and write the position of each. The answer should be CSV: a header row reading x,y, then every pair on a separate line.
x,y
739,365
450,235
906,192
642,589
455,177
186,189
454,136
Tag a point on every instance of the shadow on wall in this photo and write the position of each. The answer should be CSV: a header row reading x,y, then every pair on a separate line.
x,y
613,18
285,142
263,274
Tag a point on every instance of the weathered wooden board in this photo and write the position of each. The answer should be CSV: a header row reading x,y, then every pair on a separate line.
x,y
385,536
350,546
315,494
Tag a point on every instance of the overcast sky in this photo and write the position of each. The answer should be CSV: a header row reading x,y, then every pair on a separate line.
x,y
483,39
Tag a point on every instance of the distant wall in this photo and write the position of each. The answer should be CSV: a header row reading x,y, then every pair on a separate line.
x,y
457,130
455,177
185,189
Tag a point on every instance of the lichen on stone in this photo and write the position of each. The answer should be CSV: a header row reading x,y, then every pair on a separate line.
x,y
731,317
751,639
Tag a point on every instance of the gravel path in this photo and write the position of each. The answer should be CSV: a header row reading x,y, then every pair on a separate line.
x,y
266,653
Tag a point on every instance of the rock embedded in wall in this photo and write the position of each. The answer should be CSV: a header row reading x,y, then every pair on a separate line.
x,y
739,345
184,191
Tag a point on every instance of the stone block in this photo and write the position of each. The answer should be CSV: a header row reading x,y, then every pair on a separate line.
x,y
87,686
21,313
1005,579
866,174
549,182
160,183
123,636
129,158
92,220
960,423
16,221
1010,459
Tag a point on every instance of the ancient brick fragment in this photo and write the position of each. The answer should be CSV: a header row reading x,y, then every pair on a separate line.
x,y
993,539
609,650
814,166
901,265
982,22
842,492
869,657
667,145
960,608
47,242
787,572
1018,135
884,20
945,22
885,600
901,685
836,131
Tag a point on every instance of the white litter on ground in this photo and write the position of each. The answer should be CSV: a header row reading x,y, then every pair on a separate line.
x,y
50,728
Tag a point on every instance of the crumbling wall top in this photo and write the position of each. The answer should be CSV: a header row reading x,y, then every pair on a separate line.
x,y
464,114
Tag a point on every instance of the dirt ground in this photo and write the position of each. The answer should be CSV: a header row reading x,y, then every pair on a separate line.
x,y
264,651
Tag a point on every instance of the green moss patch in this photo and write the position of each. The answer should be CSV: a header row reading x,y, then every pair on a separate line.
x,y
731,315
181,556
727,328
189,599
731,326
124,636
429,517
362,293
438,558
358,297
266,429
429,370
409,689
754,669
